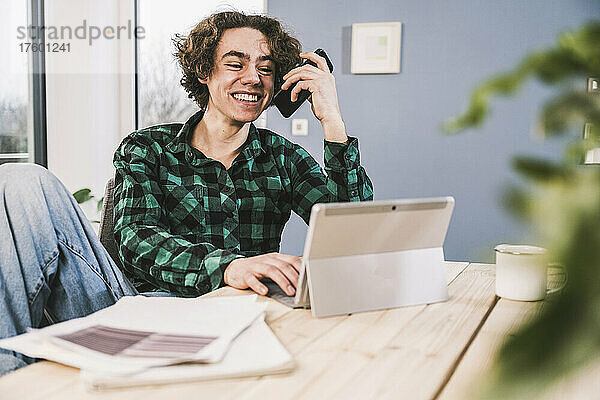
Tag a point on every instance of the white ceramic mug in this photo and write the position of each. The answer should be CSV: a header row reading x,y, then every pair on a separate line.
x,y
522,272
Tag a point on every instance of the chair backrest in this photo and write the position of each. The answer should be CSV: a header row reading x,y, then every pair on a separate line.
x,y
107,224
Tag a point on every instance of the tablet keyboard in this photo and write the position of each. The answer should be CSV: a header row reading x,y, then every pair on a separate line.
x,y
276,293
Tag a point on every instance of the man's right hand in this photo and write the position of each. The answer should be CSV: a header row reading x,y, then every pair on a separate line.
x,y
283,269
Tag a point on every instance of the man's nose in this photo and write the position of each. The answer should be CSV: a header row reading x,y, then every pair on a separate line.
x,y
250,76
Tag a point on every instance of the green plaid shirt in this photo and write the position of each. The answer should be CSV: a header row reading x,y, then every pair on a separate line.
x,y
181,218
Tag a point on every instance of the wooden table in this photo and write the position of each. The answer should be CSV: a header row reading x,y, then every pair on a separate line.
x,y
437,351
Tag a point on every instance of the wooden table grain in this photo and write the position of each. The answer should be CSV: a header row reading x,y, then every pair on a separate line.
x,y
435,351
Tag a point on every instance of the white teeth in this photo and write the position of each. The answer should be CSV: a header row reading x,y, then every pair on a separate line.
x,y
245,97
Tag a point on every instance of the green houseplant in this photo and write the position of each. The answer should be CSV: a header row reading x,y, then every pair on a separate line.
x,y
563,205
84,195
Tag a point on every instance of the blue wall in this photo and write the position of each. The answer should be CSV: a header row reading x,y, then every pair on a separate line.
x,y
447,48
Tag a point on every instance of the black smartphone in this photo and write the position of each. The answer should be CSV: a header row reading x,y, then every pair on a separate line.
x,y
283,98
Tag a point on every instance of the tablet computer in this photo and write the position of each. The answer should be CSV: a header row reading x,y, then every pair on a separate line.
x,y
362,256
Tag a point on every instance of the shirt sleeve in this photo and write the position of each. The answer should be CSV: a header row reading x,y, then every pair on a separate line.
x,y
344,178
149,251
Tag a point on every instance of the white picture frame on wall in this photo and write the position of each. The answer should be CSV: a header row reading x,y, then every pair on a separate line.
x,y
376,48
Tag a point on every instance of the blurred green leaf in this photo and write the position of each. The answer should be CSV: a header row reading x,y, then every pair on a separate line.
x,y
570,109
576,56
563,205
100,202
83,195
478,107
518,202
541,171
565,336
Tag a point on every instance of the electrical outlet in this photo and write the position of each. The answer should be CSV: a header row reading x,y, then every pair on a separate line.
x,y
593,85
592,156
299,127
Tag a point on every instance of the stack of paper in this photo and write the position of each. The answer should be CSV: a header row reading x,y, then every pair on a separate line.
x,y
149,340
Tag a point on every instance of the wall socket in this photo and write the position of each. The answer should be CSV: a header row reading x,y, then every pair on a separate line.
x,y
592,156
593,85
299,127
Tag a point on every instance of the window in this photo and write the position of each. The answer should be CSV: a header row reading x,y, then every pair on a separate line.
x,y
14,87
22,106
160,96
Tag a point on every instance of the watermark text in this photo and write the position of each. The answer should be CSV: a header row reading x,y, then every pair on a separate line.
x,y
84,31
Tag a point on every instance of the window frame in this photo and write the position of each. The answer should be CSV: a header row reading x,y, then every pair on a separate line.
x,y
136,90
38,88
36,76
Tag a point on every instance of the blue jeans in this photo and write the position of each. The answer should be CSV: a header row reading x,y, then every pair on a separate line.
x,y
52,265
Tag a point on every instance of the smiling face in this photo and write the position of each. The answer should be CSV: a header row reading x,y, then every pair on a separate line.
x,y
241,83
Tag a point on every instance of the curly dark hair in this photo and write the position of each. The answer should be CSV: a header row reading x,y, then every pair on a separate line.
x,y
196,52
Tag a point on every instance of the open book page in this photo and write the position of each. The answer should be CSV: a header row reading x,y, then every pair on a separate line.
x,y
133,343
257,351
219,318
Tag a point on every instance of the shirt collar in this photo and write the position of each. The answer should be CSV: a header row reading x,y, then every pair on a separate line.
x,y
180,142
251,148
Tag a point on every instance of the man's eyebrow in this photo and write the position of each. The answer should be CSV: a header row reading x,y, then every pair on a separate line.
x,y
266,58
239,54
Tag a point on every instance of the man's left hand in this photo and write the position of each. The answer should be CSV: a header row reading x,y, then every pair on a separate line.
x,y
321,83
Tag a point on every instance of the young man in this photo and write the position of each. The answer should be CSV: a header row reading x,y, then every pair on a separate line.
x,y
217,191
197,206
